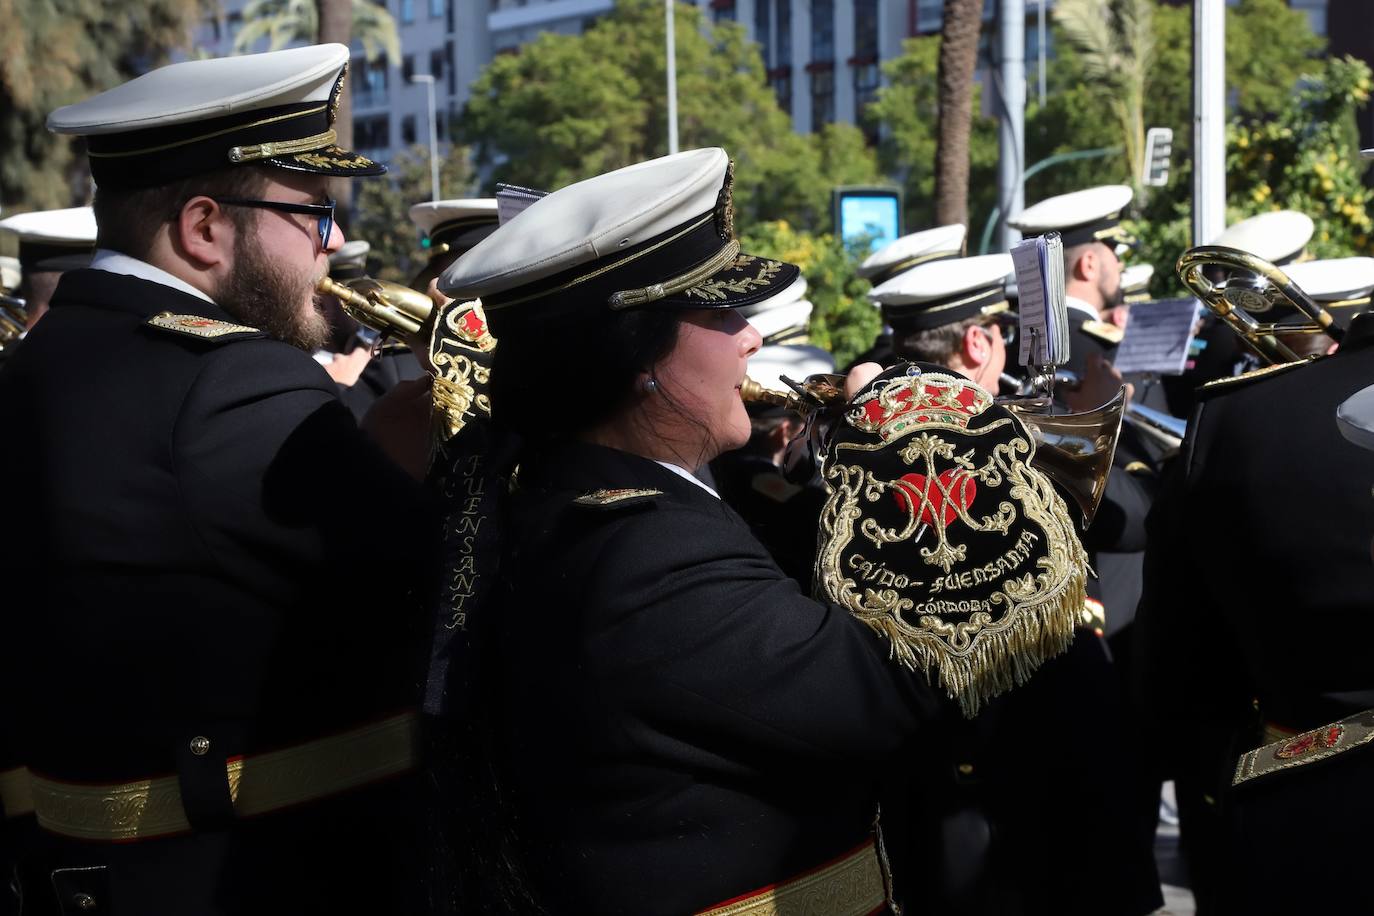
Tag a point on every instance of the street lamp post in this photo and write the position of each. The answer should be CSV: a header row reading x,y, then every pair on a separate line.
x,y
428,80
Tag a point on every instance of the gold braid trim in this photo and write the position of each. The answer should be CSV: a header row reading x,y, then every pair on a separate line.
x,y
281,147
629,298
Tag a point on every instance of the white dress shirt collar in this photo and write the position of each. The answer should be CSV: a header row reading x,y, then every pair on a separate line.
x,y
115,263
687,475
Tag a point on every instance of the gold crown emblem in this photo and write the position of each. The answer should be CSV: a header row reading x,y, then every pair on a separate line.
x,y
927,400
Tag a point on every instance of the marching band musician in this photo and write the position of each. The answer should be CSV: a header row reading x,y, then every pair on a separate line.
x,y
1257,686
50,242
902,254
451,228
753,480
1089,224
1277,236
675,727
216,655
1019,816
361,375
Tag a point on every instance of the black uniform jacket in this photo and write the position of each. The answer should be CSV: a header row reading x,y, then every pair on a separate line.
x,y
204,546
381,374
1259,585
681,725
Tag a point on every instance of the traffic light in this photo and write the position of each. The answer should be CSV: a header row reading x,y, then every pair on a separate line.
x,y
1159,145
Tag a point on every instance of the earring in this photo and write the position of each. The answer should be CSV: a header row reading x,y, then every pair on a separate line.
x,y
650,385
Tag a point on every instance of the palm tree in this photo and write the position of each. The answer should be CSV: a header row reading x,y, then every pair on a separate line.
x,y
284,21
1115,42
963,19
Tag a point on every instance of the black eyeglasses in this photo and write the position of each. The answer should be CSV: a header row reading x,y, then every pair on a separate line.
x,y
324,212
1007,324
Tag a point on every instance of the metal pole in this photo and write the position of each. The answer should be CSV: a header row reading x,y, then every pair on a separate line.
x,y
1040,27
672,79
428,80
1209,120
1011,131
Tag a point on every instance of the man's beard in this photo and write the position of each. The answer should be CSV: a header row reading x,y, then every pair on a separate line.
x,y
266,295
1112,300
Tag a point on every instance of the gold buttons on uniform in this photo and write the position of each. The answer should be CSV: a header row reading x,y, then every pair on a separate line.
x,y
83,901
200,745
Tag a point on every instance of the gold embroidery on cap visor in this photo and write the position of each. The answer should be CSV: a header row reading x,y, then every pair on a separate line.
x,y
334,157
749,279
981,596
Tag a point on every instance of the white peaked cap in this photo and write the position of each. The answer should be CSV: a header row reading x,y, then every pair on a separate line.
x,y
1275,237
916,248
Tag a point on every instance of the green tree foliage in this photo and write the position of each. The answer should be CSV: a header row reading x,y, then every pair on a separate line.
x,y
55,52
567,107
282,22
383,209
1303,157
906,108
1115,42
1268,47
843,321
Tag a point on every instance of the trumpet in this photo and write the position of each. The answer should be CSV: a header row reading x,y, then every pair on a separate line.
x,y
390,309
1074,450
1254,287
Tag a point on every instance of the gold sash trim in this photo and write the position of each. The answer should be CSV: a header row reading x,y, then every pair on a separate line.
x,y
851,885
16,795
258,784
1294,750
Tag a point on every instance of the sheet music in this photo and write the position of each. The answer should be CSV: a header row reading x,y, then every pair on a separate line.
x,y
1039,264
1158,336
511,201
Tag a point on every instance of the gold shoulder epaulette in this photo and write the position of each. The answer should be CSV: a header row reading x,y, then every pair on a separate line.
x,y
1103,331
1229,383
601,499
1308,747
200,326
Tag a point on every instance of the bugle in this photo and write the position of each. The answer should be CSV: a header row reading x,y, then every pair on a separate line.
x,y
390,309
1074,450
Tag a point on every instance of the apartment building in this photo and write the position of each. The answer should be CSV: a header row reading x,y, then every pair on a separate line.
x,y
822,57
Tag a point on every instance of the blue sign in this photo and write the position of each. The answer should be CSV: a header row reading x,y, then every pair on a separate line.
x,y
874,214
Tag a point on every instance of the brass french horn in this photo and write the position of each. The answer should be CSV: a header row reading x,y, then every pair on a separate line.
x,y
1074,450
1253,288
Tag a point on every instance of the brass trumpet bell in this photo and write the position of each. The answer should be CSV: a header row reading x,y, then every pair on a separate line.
x,y
1075,450
388,308
1254,287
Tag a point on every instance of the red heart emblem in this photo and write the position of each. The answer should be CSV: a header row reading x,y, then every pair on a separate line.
x,y
915,490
